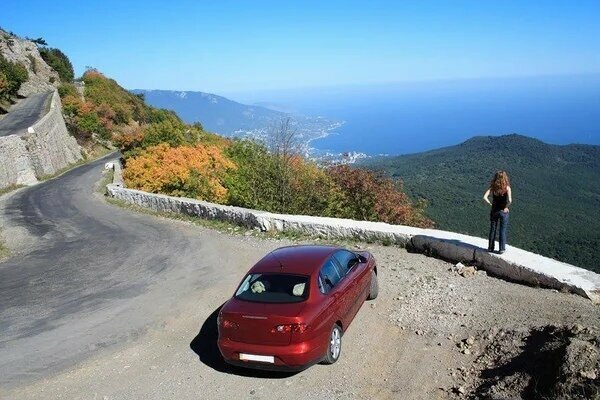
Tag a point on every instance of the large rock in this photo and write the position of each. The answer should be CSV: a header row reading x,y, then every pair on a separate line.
x,y
446,249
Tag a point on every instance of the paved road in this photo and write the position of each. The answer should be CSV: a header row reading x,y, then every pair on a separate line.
x,y
91,274
24,114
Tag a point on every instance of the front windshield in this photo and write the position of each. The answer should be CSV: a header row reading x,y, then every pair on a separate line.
x,y
273,288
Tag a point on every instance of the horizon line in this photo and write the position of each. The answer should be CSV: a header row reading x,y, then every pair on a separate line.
x,y
382,83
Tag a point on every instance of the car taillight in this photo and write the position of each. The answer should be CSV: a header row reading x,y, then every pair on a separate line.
x,y
287,328
227,324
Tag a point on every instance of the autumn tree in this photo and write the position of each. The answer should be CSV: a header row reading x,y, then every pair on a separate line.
x,y
363,195
196,172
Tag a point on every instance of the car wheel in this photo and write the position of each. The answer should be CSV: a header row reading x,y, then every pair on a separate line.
x,y
334,346
374,291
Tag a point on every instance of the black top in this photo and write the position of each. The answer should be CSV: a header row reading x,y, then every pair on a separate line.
x,y
499,202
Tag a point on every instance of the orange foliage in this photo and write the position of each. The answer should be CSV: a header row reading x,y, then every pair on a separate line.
x,y
93,73
197,171
367,196
128,140
74,105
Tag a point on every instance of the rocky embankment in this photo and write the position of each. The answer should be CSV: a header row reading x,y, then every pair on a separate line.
x,y
44,148
42,78
547,362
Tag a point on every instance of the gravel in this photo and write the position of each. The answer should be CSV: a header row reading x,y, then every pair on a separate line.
x,y
432,333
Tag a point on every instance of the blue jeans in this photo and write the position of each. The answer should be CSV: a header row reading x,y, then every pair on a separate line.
x,y
498,220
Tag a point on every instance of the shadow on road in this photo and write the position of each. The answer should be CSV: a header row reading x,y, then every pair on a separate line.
x,y
205,346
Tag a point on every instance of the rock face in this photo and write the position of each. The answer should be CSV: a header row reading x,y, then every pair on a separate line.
x,y
44,150
516,265
42,78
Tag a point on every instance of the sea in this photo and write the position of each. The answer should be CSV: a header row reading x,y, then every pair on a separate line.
x,y
411,117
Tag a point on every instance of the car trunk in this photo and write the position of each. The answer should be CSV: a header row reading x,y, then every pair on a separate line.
x,y
255,321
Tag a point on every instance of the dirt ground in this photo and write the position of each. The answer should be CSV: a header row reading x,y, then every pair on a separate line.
x,y
431,334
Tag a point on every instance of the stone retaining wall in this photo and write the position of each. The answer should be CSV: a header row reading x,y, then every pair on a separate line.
x,y
15,163
515,265
43,151
51,148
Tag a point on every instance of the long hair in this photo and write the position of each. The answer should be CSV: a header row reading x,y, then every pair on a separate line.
x,y
499,183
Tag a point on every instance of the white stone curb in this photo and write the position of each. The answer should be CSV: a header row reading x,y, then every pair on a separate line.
x,y
515,265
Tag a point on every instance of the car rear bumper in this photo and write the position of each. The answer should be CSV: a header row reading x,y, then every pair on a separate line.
x,y
292,357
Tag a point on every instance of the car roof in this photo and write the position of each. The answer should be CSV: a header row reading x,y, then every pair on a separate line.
x,y
303,259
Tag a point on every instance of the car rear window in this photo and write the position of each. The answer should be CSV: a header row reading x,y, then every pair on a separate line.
x,y
273,288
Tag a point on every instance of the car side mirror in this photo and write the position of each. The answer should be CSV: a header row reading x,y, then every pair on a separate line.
x,y
361,258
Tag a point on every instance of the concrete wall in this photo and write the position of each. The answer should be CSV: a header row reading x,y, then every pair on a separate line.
x,y
516,264
46,150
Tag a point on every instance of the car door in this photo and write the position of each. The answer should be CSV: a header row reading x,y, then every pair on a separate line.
x,y
335,288
345,261
355,272
344,290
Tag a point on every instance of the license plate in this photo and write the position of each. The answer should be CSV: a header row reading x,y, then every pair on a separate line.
x,y
253,357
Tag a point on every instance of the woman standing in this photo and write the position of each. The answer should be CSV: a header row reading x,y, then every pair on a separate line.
x,y
501,200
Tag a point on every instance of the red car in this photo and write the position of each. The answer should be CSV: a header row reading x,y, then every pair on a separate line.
x,y
292,308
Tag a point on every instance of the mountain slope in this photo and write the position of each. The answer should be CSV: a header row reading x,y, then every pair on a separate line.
x,y
556,190
221,115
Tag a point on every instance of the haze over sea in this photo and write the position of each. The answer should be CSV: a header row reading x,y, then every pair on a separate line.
x,y
404,118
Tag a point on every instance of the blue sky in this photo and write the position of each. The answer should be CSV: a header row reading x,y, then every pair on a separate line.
x,y
224,46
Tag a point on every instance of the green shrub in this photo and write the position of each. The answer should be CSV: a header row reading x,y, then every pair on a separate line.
x,y
164,132
251,185
14,74
33,63
156,115
59,62
67,89
90,123
3,83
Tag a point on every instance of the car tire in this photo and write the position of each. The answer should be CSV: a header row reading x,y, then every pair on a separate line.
x,y
374,291
334,345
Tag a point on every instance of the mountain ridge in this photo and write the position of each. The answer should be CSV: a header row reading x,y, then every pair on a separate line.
x,y
230,118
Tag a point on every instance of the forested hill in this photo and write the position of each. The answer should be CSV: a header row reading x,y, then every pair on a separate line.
x,y
556,192
216,113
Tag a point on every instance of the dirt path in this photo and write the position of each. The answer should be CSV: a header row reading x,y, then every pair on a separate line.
x,y
404,345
